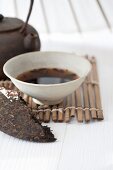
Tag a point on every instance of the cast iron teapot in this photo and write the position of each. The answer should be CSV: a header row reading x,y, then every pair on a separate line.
x,y
16,37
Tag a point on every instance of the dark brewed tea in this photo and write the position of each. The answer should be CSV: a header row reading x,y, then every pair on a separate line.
x,y
47,76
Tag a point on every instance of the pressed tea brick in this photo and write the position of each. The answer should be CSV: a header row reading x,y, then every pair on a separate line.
x,y
16,119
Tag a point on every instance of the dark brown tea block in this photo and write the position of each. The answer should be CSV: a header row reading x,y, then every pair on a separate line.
x,y
16,119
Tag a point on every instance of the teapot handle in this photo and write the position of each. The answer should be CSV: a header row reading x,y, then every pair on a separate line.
x,y
23,29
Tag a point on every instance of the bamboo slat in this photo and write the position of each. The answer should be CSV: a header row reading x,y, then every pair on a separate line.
x,y
67,111
97,90
73,104
47,115
61,112
86,103
91,96
54,114
79,105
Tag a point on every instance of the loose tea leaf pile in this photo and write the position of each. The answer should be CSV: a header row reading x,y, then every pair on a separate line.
x,y
16,119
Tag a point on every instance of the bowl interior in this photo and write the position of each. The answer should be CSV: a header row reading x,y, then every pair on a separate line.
x,y
35,60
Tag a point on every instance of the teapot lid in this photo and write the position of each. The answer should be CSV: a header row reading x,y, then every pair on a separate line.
x,y
9,24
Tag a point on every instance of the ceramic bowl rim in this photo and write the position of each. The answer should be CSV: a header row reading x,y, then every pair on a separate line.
x,y
45,85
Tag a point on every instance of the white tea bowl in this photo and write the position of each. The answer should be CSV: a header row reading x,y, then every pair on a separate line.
x,y
47,93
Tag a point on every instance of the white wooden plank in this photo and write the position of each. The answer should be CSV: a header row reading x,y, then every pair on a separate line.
x,y
79,43
59,16
74,15
36,19
89,15
21,155
7,8
108,9
88,147
22,8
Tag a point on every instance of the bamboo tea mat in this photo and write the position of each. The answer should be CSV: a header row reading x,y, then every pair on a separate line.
x,y
84,104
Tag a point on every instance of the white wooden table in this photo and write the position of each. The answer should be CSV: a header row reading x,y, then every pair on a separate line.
x,y
63,16
81,26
